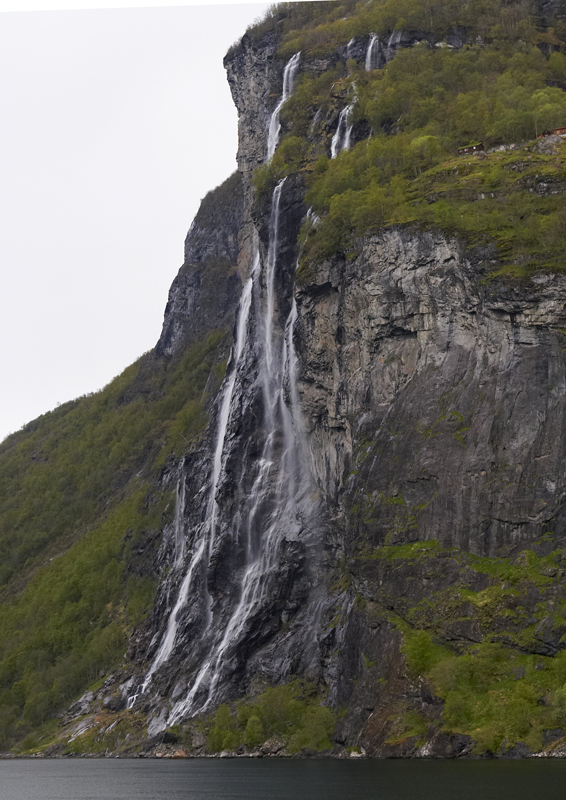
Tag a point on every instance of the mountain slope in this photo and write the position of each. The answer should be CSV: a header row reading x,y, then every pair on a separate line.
x,y
86,490
366,545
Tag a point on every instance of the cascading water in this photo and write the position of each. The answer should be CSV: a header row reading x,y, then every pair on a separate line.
x,y
280,485
277,505
289,76
207,536
341,139
372,53
393,43
179,527
313,218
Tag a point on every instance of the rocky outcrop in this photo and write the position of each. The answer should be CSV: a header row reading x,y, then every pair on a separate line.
x,y
551,12
205,292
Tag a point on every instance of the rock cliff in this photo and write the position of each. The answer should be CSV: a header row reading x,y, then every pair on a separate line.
x,y
205,292
381,484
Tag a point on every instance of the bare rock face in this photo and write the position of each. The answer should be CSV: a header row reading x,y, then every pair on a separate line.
x,y
205,292
434,399
551,11
254,74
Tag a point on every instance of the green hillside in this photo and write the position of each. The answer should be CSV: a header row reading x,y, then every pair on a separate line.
x,y
79,494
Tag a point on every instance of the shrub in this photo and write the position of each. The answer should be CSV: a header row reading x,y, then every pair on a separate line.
x,y
254,735
291,713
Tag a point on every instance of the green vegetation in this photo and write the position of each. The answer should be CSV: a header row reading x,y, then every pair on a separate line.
x,y
59,472
512,199
420,108
510,684
75,500
70,623
291,714
318,31
107,732
496,695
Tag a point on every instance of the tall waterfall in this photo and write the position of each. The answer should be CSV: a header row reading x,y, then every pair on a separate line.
x,y
372,53
289,76
341,139
207,536
273,504
270,513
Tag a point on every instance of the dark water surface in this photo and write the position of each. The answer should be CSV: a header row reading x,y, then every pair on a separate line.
x,y
282,780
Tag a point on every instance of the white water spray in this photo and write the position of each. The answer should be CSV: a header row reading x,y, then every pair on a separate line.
x,y
269,513
341,139
205,544
279,484
270,273
224,416
289,76
179,525
393,43
372,53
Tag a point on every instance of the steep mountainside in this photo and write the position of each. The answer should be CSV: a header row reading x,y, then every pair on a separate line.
x,y
355,543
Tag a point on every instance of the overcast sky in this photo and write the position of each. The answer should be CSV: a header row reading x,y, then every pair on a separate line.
x,y
114,124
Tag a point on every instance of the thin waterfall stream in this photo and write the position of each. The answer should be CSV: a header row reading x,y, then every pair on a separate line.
x,y
341,139
205,544
289,76
372,53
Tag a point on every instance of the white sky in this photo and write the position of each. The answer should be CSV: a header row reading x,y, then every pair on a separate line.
x,y
114,123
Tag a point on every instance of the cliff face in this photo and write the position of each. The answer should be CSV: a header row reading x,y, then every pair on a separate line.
x,y
386,457
205,292
434,398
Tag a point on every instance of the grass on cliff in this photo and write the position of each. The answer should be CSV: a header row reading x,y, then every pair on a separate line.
x,y
317,31
291,714
417,111
59,472
513,199
496,695
71,622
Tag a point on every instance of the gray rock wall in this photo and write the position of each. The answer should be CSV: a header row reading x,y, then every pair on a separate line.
x,y
206,290
434,398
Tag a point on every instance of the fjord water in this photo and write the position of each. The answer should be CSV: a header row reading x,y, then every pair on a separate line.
x,y
316,779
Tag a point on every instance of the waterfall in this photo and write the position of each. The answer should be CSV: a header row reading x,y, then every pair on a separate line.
x,y
279,485
270,273
349,48
206,541
289,76
224,416
393,43
179,525
313,218
341,139
371,56
273,503
168,641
